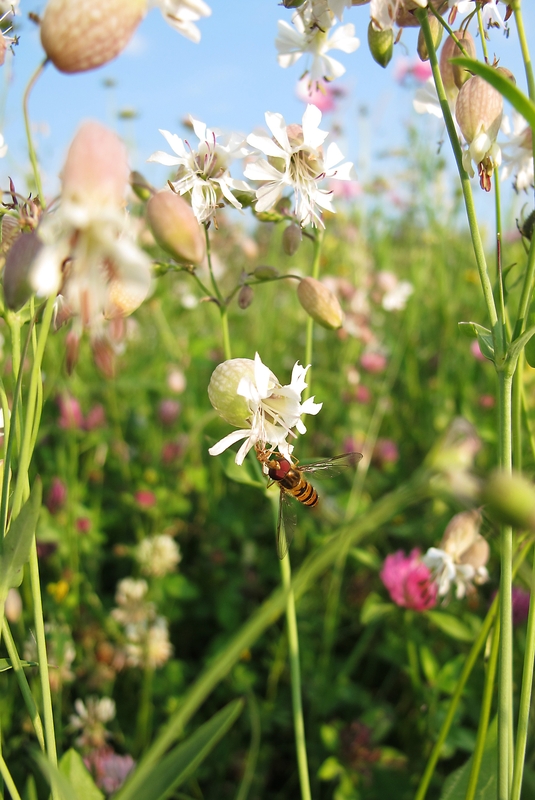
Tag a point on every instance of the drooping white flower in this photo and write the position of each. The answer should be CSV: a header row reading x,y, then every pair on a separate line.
x,y
517,151
183,14
296,160
491,15
247,393
204,173
298,39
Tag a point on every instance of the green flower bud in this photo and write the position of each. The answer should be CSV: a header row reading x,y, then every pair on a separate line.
x,y
175,227
511,499
381,44
141,187
436,33
320,303
223,386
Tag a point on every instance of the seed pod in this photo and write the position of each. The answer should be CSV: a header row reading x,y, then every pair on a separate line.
x,y
436,33
18,268
245,296
511,499
453,77
479,109
265,273
320,303
175,227
78,35
291,239
381,44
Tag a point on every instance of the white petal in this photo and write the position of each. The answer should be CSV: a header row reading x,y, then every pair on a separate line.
x,y
225,443
164,158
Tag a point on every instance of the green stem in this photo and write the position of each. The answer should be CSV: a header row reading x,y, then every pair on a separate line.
x,y
482,35
448,30
144,715
525,696
23,683
223,306
295,674
505,681
517,10
484,717
225,332
318,242
27,123
8,780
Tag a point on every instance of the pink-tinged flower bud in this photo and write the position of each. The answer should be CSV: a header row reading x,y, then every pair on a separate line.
x,y
436,33
145,498
511,499
70,412
78,35
223,386
95,418
245,296
168,412
291,239
409,581
320,303
18,268
479,110
96,168
453,77
381,44
175,227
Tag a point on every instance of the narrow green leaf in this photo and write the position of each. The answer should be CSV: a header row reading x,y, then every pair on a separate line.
x,y
515,348
451,625
5,664
181,763
76,772
504,86
456,784
473,329
18,541
59,782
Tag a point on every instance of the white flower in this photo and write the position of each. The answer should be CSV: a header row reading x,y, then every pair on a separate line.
x,y
90,718
270,411
158,555
203,173
518,151
491,15
296,160
426,100
132,608
299,39
396,298
182,14
3,146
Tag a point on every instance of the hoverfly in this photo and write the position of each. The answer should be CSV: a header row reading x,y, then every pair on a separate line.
x,y
289,475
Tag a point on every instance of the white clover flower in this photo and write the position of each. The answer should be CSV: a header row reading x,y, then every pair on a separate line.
x,y
247,393
158,555
158,647
306,37
90,718
182,15
203,173
132,608
462,556
89,252
517,151
296,160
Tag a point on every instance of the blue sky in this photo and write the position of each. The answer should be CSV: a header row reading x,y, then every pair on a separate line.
x,y
228,80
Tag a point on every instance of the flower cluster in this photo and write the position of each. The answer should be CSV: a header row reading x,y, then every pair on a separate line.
x,y
249,396
158,555
146,633
90,719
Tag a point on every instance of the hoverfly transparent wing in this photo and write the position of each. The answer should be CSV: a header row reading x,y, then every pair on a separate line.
x,y
330,467
285,524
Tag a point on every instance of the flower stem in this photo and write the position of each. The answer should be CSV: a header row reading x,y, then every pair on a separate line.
x,y
23,683
525,696
223,307
8,780
318,241
31,149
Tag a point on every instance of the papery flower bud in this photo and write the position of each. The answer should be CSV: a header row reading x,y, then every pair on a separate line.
x,y
405,17
245,296
18,268
10,230
463,542
453,77
78,35
13,607
320,303
222,390
291,239
175,227
479,110
381,44
511,499
436,33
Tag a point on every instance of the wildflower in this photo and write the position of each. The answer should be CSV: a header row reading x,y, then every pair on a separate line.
x,y
296,160
183,14
385,452
203,174
176,380
409,580
478,110
89,254
518,152
108,768
462,556
70,413
158,555
57,495
145,498
90,719
384,13
132,608
305,36
168,412
246,393
373,362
